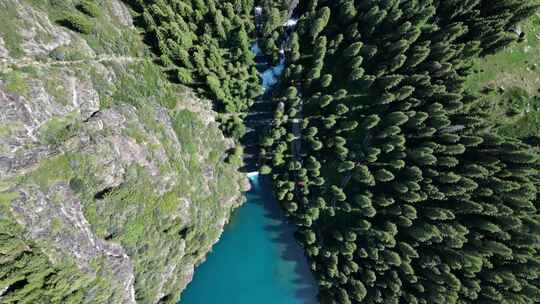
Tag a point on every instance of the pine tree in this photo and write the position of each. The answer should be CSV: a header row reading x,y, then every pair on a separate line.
x,y
442,210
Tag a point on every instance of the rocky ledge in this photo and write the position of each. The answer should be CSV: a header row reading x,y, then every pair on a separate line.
x,y
114,183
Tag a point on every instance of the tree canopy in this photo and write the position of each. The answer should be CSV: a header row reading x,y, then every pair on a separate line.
x,y
401,191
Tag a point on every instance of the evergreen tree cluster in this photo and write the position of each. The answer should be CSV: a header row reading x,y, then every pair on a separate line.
x,y
31,278
80,20
401,192
274,14
206,44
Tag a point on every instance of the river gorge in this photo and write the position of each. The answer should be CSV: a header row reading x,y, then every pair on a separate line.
x,y
256,260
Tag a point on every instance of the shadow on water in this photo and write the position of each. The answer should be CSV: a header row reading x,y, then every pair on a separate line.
x,y
282,232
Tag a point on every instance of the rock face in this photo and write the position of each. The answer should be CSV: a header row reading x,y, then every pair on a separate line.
x,y
114,183
292,5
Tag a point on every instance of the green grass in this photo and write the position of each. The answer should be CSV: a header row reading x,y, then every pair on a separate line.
x,y
90,7
58,129
510,82
16,82
55,86
134,213
78,22
513,66
9,29
186,124
103,33
145,83
7,197
51,170
67,53
107,39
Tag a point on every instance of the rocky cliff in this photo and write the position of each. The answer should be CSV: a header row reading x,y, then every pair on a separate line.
x,y
114,182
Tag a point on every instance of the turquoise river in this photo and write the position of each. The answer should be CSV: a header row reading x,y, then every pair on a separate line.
x,y
256,260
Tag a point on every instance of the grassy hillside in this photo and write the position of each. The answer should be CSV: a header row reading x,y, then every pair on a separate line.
x,y
114,182
509,82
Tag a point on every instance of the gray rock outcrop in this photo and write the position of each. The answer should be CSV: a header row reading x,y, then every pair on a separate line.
x,y
114,183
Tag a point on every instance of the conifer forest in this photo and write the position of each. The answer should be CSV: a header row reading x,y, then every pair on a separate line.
x,y
406,179
400,187
401,190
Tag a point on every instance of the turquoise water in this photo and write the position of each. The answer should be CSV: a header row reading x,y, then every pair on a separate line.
x,y
256,260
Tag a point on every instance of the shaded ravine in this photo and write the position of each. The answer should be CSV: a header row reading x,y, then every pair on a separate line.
x,y
261,112
257,259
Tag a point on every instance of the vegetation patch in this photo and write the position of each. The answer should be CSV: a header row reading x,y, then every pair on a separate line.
x,y
140,83
207,46
28,275
16,82
67,53
77,22
509,82
150,224
9,29
58,129
55,86
394,177
89,7
515,112
102,33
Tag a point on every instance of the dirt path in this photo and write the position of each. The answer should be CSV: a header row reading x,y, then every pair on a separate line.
x,y
28,62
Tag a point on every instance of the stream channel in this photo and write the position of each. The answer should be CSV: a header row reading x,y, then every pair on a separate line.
x,y
257,260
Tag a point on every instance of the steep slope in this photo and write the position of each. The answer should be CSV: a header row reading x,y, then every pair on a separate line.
x,y
402,193
114,183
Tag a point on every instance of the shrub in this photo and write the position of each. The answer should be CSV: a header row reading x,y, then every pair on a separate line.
x,y
90,8
266,170
77,22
